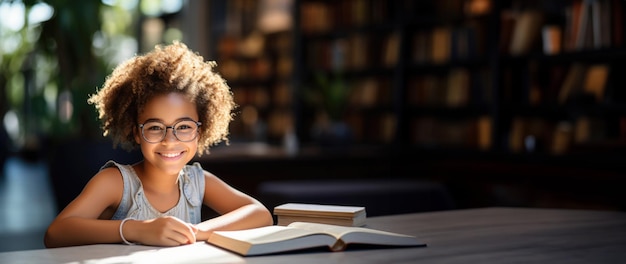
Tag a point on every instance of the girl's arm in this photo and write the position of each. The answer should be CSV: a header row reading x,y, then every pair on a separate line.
x,y
237,210
78,223
82,221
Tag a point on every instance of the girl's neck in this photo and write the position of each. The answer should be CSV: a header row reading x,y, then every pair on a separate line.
x,y
155,180
161,189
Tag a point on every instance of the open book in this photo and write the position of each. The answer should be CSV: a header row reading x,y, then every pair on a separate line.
x,y
303,235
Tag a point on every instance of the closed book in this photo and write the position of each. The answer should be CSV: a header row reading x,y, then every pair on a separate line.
x,y
284,220
320,213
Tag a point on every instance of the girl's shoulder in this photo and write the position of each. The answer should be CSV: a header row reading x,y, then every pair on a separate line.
x,y
195,169
200,172
113,164
107,178
193,181
112,167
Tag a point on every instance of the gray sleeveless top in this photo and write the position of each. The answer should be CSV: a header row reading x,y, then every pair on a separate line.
x,y
135,204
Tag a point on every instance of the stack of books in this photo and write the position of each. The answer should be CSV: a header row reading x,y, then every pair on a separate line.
x,y
319,213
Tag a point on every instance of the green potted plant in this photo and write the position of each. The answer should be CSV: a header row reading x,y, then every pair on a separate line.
x,y
328,97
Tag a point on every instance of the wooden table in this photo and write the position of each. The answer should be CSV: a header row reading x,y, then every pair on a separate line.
x,y
485,235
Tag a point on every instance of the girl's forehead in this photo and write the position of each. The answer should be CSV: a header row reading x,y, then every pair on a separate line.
x,y
171,106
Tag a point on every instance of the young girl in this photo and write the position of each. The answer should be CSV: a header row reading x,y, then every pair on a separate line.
x,y
172,105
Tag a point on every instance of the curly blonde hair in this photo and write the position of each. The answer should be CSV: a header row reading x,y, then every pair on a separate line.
x,y
166,69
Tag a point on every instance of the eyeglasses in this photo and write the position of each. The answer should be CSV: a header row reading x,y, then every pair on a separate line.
x,y
184,130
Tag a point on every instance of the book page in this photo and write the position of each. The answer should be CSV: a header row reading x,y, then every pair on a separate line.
x,y
333,230
361,235
268,234
269,239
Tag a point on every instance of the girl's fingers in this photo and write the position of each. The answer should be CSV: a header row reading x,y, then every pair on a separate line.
x,y
194,229
185,234
179,238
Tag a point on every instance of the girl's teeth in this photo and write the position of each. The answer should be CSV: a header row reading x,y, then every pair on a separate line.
x,y
171,155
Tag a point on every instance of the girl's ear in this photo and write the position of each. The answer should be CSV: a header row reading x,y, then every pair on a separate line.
x,y
137,134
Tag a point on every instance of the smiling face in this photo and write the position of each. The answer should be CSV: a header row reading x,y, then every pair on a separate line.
x,y
169,155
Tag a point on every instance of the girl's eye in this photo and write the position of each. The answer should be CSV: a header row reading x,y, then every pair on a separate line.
x,y
155,128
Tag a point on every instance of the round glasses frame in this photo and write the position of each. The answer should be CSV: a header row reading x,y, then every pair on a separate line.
x,y
175,130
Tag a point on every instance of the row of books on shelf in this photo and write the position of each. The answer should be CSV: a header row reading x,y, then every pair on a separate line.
x,y
450,9
471,133
362,51
353,52
452,89
580,25
255,56
241,46
593,24
578,83
253,44
372,128
370,92
520,31
444,44
253,124
456,88
323,16
339,92
258,68
526,134
582,79
256,96
261,68
534,134
278,94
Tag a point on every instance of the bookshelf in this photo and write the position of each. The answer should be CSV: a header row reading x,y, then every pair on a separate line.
x,y
499,76
257,63
560,95
418,72
507,77
461,91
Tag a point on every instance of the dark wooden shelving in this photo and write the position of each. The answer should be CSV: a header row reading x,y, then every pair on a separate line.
x,y
510,100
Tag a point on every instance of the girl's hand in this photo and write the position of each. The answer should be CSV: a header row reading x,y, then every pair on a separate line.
x,y
162,231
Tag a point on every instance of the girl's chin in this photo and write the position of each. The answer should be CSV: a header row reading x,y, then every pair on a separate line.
x,y
172,169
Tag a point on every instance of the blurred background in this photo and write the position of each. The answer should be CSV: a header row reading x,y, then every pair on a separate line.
x,y
399,106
